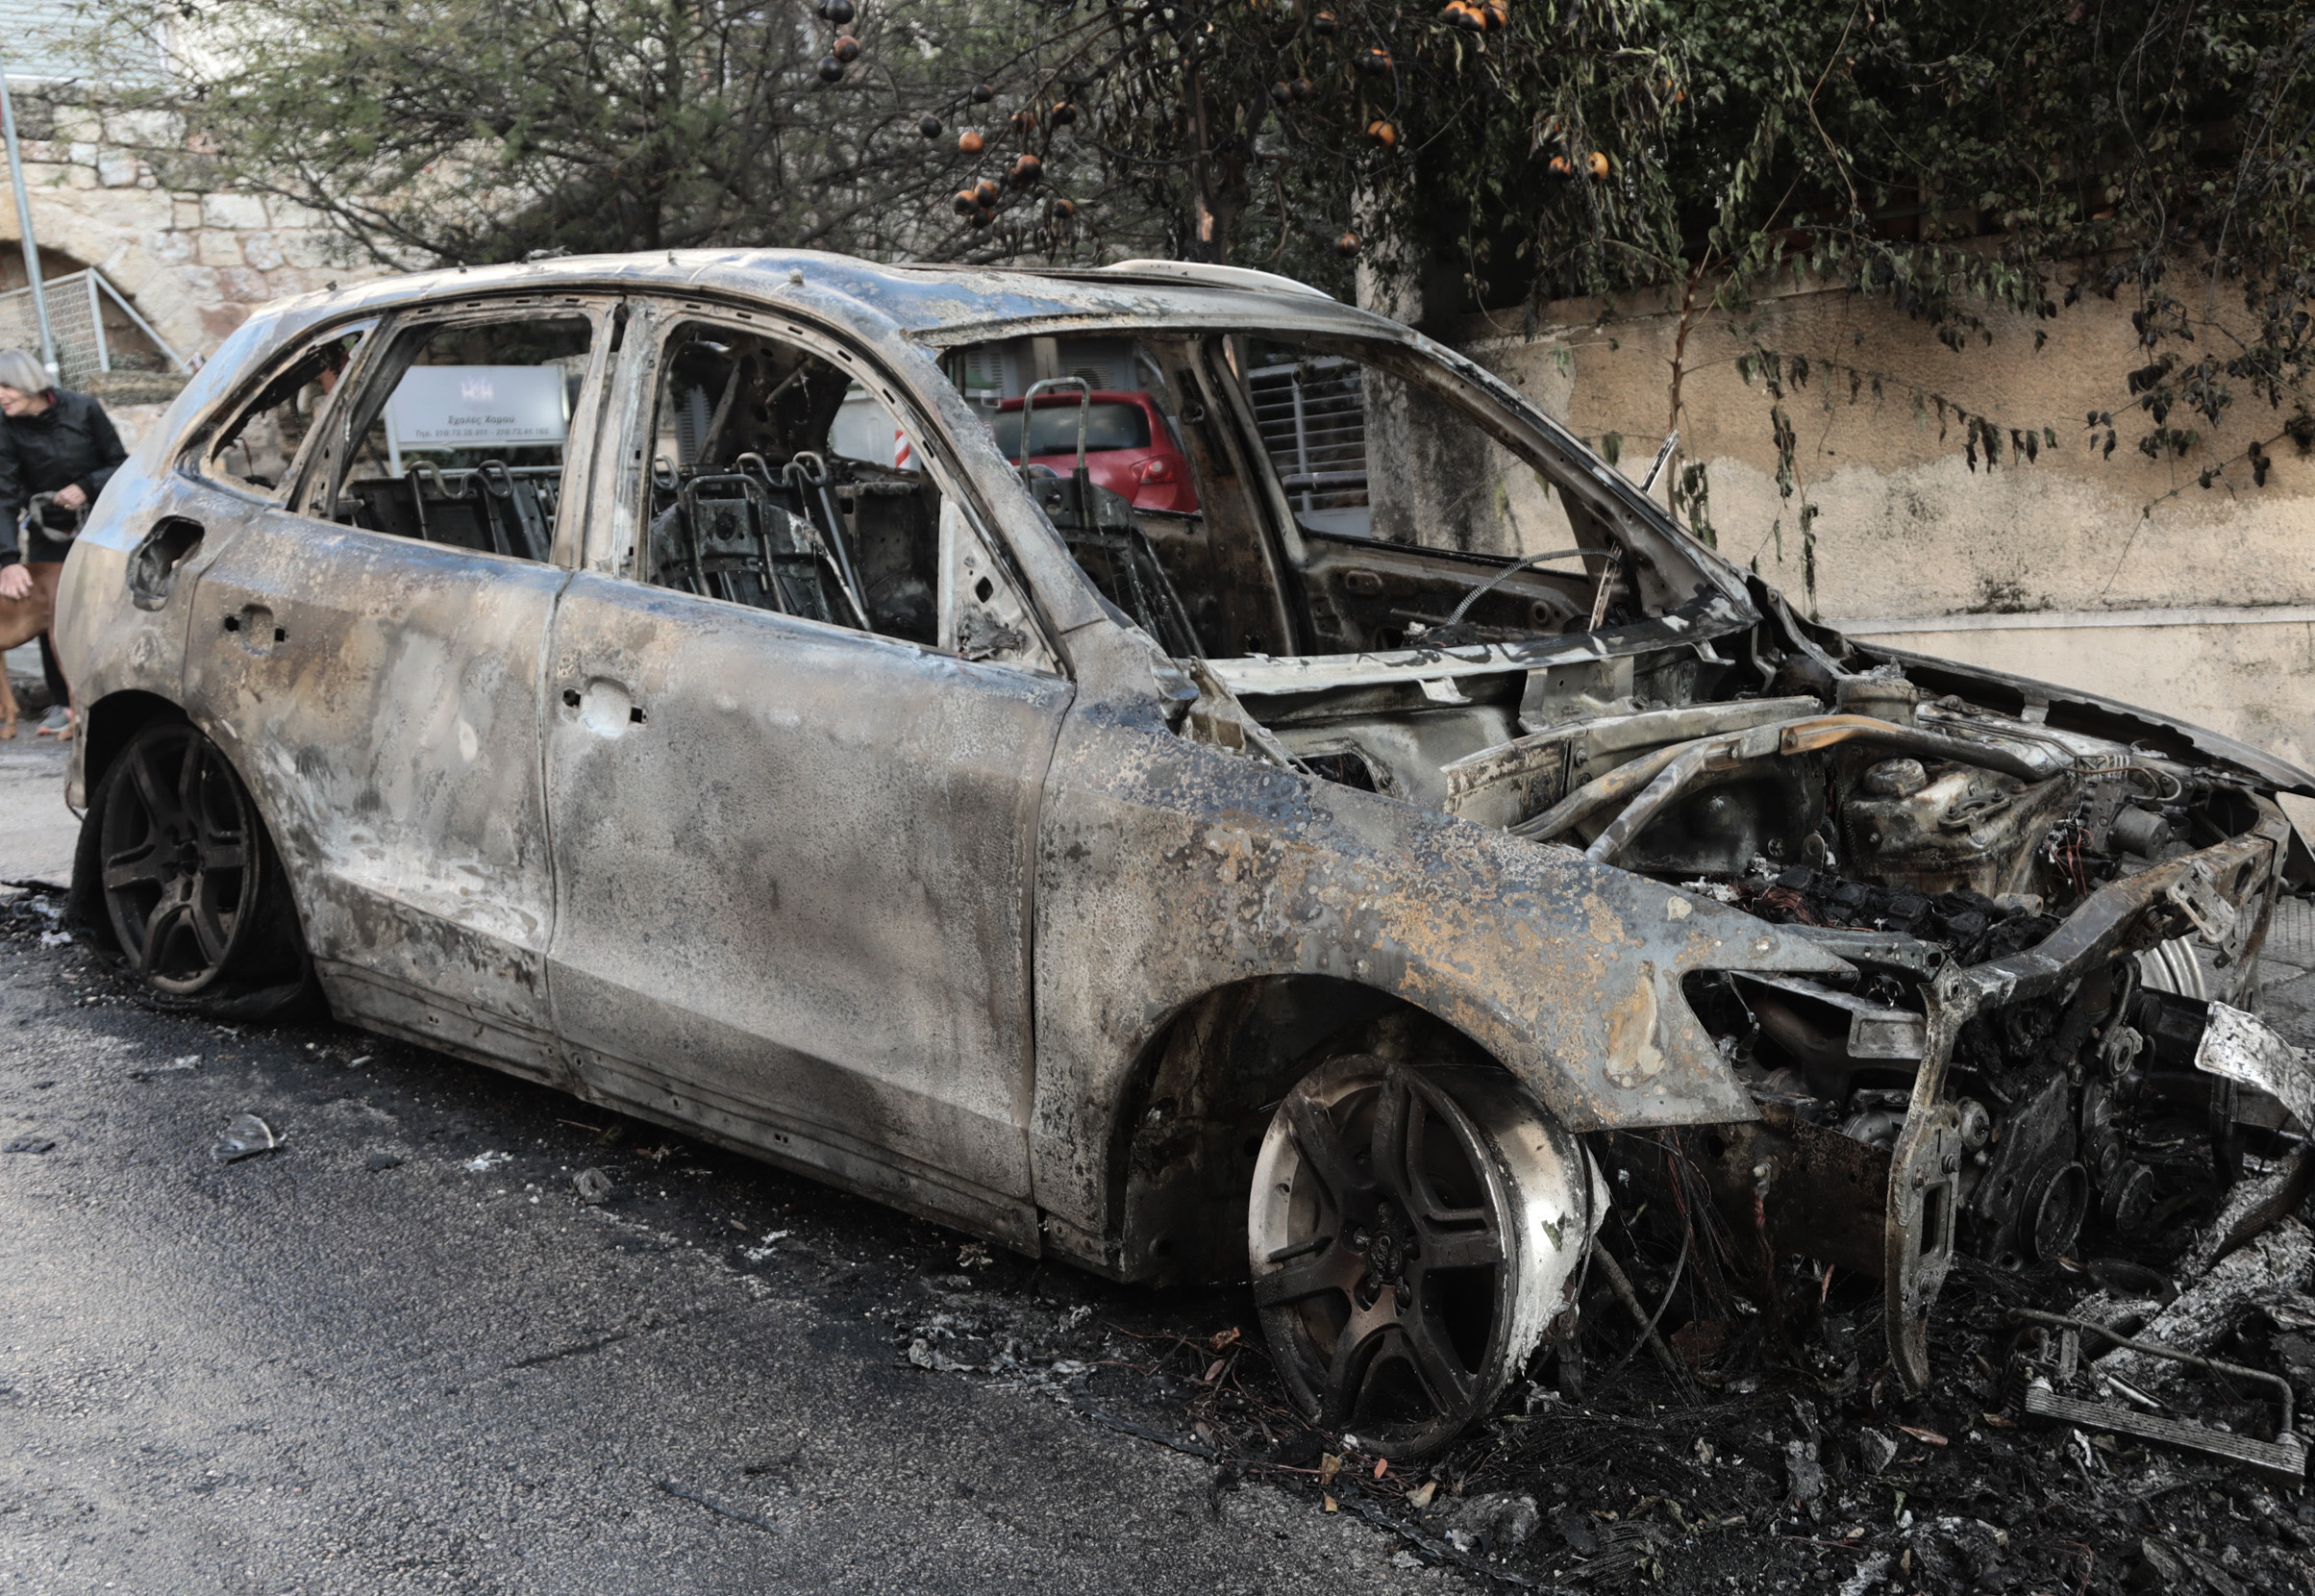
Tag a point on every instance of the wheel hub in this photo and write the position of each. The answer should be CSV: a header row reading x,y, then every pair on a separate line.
x,y
1388,1246
179,877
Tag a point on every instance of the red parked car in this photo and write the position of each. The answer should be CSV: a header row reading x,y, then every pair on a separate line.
x,y
1130,449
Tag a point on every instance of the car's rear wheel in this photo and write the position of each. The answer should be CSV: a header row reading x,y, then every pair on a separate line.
x,y
1412,1235
192,892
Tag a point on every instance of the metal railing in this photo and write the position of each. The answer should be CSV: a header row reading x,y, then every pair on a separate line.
x,y
1312,418
76,316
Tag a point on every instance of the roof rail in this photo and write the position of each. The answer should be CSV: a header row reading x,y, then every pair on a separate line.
x,y
1220,277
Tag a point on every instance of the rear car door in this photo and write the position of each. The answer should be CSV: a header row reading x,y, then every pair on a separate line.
x,y
793,822
366,645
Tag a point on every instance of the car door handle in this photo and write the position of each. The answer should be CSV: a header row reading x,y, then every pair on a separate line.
x,y
153,566
604,706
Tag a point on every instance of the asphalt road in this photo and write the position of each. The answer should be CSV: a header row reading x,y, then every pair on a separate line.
x,y
399,1352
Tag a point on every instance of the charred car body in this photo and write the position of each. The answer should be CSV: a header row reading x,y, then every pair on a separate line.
x,y
648,676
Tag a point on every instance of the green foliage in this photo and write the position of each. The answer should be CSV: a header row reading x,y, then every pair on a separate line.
x,y
472,131
1956,157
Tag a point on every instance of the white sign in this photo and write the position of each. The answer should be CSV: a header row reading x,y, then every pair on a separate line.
x,y
461,407
864,431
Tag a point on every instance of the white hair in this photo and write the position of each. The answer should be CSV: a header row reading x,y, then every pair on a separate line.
x,y
19,371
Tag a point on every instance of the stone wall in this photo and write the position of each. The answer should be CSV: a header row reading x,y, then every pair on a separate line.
x,y
194,262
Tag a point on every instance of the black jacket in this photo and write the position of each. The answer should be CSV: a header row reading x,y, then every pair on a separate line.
x,y
70,441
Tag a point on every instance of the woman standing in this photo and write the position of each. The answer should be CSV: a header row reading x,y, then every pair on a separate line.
x,y
61,445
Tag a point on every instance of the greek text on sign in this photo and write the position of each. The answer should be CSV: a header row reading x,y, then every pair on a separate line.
x,y
464,407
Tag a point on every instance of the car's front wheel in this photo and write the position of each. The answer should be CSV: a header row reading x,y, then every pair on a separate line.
x,y
1412,1235
191,890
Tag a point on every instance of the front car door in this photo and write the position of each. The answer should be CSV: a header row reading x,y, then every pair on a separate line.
x,y
366,645
793,823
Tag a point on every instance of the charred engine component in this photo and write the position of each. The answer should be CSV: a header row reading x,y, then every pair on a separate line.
x,y
2034,1164
1968,925
1961,829
1989,1099
2031,1193
1648,789
1834,1037
1755,814
1506,783
2011,898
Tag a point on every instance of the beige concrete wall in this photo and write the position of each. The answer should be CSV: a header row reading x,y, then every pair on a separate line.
x,y
2047,569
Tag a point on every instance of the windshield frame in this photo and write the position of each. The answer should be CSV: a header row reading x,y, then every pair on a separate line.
x,y
1721,597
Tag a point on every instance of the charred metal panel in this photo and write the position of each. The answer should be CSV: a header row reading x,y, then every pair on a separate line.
x,y
381,698
106,644
794,861
1168,869
707,1110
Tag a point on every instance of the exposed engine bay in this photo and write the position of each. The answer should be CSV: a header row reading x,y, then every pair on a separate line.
x,y
2036,912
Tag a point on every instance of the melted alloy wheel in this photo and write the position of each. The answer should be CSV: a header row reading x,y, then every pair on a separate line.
x,y
180,859
1412,1233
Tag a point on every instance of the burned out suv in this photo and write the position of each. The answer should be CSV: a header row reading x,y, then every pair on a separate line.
x,y
647,676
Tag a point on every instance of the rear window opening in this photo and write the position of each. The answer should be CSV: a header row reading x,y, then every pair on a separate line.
x,y
1110,424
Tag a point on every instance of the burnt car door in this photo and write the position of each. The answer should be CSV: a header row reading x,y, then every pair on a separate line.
x,y
794,757
365,643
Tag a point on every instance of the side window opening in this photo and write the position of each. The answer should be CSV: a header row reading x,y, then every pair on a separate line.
x,y
260,447
779,481
461,436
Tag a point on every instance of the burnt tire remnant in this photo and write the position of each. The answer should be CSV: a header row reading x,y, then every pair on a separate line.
x,y
184,882
1411,1235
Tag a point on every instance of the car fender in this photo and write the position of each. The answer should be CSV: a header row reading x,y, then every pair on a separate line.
x,y
1168,869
